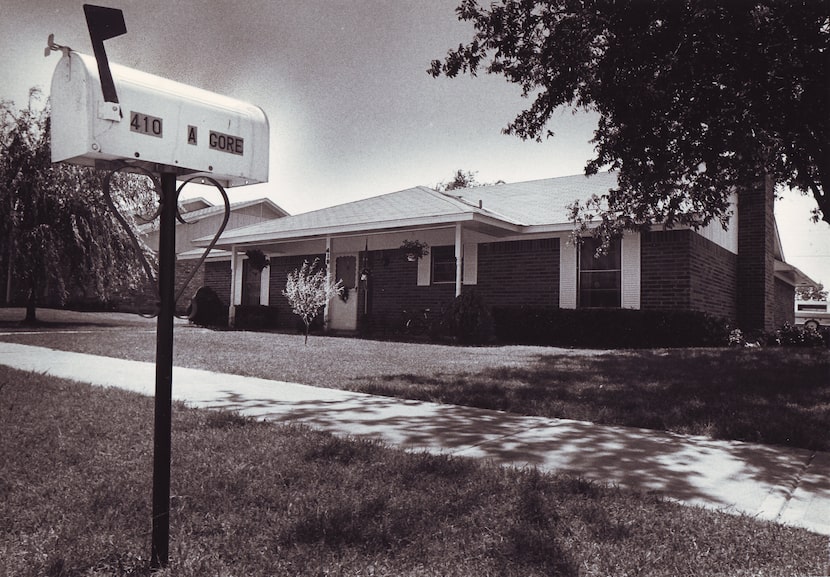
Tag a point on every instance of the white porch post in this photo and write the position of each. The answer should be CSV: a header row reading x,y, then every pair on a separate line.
x,y
459,254
567,274
265,286
328,283
234,271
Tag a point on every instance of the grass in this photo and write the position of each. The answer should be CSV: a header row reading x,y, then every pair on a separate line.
x,y
771,395
257,499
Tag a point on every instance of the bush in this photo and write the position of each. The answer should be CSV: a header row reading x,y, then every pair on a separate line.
x,y
791,336
207,309
469,320
608,328
255,317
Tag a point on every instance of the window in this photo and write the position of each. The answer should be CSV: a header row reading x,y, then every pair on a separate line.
x,y
599,276
443,264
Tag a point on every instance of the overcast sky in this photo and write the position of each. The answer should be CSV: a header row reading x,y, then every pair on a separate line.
x,y
352,111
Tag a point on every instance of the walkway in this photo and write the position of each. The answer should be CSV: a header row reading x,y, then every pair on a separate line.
x,y
776,483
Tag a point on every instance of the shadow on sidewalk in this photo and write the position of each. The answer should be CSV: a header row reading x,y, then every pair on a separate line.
x,y
692,469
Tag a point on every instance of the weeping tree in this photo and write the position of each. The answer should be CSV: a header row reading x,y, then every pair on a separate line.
x,y
695,98
59,236
308,289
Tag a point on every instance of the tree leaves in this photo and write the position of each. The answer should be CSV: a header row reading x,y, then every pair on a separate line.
x,y
696,98
58,235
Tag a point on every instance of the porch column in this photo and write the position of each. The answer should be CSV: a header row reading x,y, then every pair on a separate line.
x,y
459,255
231,307
328,283
265,286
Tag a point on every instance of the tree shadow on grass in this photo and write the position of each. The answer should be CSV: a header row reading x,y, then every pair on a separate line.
x,y
13,320
45,326
732,476
772,396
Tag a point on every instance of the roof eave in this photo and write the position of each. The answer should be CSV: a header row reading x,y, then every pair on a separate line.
x,y
792,275
374,227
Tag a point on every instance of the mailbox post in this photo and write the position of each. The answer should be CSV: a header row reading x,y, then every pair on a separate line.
x,y
114,118
164,373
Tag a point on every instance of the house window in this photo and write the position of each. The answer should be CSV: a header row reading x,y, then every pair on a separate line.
x,y
600,277
443,264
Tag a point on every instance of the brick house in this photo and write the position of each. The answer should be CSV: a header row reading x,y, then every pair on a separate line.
x,y
202,218
510,242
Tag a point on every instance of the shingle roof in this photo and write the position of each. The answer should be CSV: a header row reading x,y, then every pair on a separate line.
x,y
536,202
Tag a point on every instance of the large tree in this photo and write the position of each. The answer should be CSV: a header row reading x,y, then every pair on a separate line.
x,y
462,179
58,235
695,98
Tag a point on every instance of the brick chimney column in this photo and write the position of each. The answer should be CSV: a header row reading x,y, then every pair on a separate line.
x,y
756,256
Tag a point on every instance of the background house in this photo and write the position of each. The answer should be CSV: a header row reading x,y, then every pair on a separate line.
x,y
203,219
511,243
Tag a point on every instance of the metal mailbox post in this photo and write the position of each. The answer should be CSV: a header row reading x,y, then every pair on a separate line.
x,y
116,118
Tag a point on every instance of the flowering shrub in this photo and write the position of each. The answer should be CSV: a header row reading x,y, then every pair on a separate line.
x,y
790,336
308,290
736,338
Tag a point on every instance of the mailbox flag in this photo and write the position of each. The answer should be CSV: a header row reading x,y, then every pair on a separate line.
x,y
104,23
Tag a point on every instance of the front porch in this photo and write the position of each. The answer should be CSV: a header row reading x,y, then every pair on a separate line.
x,y
380,282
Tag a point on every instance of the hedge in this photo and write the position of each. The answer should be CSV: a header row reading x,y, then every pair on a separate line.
x,y
607,328
255,317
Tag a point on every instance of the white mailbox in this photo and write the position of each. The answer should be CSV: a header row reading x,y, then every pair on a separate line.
x,y
155,122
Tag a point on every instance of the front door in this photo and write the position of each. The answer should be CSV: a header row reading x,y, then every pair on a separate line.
x,y
251,284
343,309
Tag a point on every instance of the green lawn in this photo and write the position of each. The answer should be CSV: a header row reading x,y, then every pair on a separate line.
x,y
257,499
769,395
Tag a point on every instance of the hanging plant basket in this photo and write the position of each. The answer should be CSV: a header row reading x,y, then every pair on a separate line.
x,y
414,249
257,259
344,294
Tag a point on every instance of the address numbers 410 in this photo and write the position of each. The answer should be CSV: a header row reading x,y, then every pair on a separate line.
x,y
145,124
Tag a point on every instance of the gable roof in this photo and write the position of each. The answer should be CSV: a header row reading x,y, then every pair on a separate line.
x,y
272,209
511,207
266,203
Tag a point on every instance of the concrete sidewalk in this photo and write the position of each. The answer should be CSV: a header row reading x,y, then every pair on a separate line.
x,y
785,485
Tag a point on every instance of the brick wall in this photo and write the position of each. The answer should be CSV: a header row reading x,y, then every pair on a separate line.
x,y
183,270
756,259
524,272
681,270
509,273
217,275
392,288
665,270
714,278
784,303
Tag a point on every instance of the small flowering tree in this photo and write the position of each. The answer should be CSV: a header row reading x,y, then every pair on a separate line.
x,y
308,290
